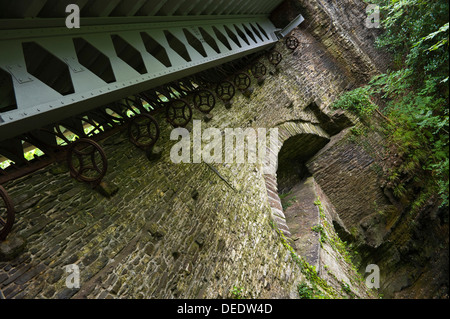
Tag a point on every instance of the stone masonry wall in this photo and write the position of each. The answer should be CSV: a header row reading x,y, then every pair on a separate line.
x,y
156,238
348,175
172,230
340,26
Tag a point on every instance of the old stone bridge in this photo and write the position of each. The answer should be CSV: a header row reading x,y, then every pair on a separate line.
x,y
156,229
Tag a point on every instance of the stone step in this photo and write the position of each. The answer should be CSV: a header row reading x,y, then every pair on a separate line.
x,y
301,216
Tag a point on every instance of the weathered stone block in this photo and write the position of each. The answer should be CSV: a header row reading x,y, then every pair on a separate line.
x,y
11,247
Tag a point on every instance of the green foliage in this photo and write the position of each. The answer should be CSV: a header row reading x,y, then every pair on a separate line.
x,y
317,287
319,229
335,242
287,203
237,293
415,93
320,288
357,101
306,292
283,196
358,131
416,33
346,288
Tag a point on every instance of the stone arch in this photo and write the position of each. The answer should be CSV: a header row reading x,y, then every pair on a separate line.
x,y
296,141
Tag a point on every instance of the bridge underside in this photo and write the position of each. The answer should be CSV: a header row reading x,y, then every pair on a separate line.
x,y
120,49
56,81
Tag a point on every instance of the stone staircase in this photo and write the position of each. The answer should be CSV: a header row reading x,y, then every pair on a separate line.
x,y
307,223
301,216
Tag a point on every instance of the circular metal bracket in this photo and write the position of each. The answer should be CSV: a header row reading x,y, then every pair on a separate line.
x,y
204,100
242,81
225,90
143,131
258,70
275,57
179,113
7,214
87,161
291,43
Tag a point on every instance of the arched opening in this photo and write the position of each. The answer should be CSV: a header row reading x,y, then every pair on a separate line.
x,y
293,155
285,164
297,192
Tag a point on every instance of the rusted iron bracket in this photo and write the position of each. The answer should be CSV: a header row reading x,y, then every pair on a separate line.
x,y
143,131
274,57
291,43
204,100
87,161
259,71
225,90
7,214
242,81
179,113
